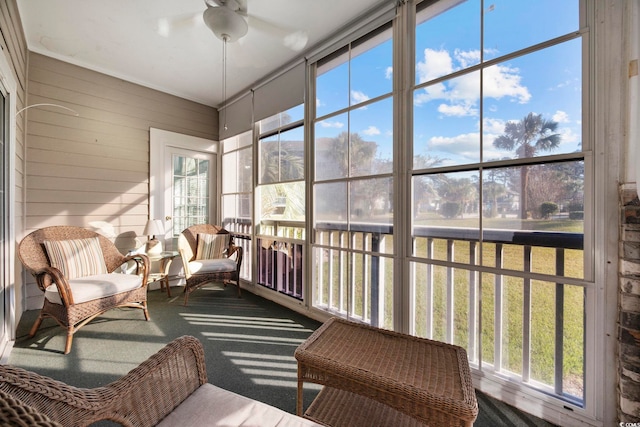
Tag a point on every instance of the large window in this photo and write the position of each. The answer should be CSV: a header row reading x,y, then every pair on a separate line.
x,y
281,202
237,185
498,184
353,182
237,192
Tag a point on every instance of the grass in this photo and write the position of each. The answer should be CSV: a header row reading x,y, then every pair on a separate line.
x,y
357,273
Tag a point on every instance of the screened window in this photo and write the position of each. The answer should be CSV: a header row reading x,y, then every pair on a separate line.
x,y
237,185
237,193
281,169
353,183
498,182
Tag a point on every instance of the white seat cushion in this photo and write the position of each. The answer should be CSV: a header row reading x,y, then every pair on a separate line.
x,y
201,266
213,406
90,288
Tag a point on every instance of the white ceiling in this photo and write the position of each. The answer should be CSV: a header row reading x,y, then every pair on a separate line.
x,y
165,45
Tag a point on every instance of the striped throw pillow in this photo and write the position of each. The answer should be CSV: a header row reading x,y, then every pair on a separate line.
x,y
77,257
212,246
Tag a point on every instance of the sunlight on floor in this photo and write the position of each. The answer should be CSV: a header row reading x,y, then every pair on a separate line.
x,y
244,322
256,339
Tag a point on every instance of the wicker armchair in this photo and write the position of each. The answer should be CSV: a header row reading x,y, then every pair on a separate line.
x,y
201,269
73,300
141,398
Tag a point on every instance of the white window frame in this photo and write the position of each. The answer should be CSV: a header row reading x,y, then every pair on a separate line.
x,y
9,85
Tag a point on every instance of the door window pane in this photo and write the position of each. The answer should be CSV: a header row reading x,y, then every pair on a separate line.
x,y
191,179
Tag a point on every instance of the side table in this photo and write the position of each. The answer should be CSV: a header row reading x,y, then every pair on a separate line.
x,y
371,374
165,259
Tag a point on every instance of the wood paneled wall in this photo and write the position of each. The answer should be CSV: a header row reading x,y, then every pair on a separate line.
x,y
92,170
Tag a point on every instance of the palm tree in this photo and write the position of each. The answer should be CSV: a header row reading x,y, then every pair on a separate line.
x,y
527,137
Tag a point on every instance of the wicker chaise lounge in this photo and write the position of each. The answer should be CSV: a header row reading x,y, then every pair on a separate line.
x,y
78,271
168,389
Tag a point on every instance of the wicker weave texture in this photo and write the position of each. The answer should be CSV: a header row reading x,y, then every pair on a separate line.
x,y
416,376
141,398
16,414
70,315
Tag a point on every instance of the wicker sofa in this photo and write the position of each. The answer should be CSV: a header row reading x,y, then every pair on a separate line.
x,y
168,389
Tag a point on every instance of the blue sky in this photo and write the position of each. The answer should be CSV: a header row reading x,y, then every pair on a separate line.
x,y
447,114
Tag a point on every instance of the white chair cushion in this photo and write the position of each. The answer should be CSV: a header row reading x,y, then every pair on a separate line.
x,y
212,266
90,288
213,406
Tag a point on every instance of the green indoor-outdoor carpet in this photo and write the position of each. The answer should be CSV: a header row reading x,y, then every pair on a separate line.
x,y
248,342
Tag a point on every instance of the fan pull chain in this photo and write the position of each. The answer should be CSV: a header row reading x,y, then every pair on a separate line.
x,y
225,38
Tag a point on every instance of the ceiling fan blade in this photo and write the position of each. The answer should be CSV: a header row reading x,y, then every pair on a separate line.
x,y
293,39
167,25
297,40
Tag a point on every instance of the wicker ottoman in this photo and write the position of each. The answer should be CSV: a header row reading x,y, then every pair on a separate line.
x,y
371,374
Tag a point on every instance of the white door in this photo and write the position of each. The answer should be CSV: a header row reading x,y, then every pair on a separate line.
x,y
183,182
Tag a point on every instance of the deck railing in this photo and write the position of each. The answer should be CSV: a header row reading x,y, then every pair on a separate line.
x,y
352,272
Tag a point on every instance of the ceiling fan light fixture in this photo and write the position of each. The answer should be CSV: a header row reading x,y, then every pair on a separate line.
x,y
225,23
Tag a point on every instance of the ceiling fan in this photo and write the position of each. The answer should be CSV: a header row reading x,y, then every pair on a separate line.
x,y
226,19
230,21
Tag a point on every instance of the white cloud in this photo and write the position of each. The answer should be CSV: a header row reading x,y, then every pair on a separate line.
x,y
326,124
466,145
463,93
371,131
468,57
568,136
437,91
500,81
459,110
388,74
436,63
358,97
560,117
493,126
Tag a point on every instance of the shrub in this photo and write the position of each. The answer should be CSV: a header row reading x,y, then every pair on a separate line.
x,y
450,209
576,206
547,209
576,215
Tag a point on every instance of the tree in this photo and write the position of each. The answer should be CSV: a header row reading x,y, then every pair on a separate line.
x,y
491,191
527,138
460,191
425,186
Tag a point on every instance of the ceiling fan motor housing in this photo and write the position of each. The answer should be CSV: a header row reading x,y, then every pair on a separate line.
x,y
225,23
